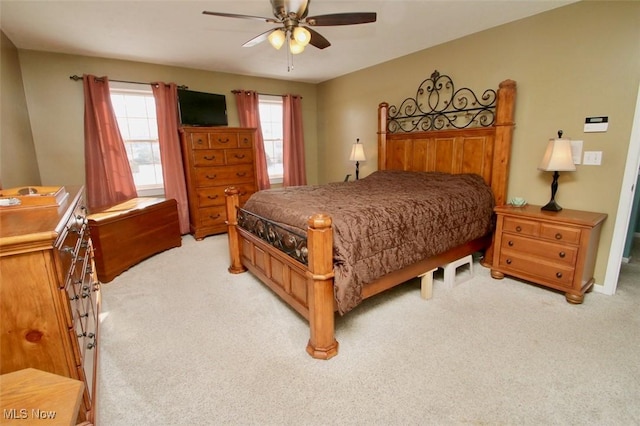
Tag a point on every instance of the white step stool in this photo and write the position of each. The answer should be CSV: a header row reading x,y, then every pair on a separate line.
x,y
450,269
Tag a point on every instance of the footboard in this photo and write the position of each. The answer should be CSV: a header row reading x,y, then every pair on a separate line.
x,y
306,288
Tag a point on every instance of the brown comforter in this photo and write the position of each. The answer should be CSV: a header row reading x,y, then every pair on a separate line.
x,y
385,221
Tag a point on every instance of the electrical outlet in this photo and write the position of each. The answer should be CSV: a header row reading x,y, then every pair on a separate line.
x,y
592,158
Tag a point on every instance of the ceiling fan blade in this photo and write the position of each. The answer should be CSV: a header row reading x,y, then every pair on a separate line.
x,y
258,39
342,19
233,15
318,40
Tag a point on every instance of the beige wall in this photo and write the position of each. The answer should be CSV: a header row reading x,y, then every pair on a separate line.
x,y
18,164
576,61
56,104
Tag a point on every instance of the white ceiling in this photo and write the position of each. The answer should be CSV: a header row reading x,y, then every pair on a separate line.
x,y
177,33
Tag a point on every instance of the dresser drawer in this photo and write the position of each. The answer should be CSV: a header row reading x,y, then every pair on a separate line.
x,y
560,233
239,156
223,140
200,141
556,273
562,253
245,140
208,157
215,196
211,216
224,175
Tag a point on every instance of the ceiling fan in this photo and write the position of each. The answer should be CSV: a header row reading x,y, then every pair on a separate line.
x,y
294,25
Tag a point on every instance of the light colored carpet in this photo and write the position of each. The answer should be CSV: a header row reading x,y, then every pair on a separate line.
x,y
182,341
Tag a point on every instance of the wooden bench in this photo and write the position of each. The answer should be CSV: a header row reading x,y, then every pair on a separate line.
x,y
125,234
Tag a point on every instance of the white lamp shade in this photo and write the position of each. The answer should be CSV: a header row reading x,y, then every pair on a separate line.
x,y
302,35
357,152
277,38
558,157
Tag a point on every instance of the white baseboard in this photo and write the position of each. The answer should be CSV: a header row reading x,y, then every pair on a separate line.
x,y
599,288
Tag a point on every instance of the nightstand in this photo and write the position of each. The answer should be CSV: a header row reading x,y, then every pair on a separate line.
x,y
553,249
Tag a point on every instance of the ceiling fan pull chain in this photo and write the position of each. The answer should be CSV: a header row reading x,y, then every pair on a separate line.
x,y
289,54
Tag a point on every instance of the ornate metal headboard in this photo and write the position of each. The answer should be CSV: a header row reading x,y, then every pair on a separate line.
x,y
438,106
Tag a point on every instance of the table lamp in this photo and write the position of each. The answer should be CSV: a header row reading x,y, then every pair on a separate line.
x,y
557,158
357,155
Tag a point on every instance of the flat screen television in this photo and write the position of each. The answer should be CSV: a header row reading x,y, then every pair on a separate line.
x,y
202,109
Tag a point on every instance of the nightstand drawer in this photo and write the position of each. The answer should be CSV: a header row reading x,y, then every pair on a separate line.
x,y
555,252
558,274
560,233
521,226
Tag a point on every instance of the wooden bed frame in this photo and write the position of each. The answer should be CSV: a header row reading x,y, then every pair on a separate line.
x,y
483,150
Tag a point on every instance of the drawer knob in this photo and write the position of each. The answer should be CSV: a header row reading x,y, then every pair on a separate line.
x,y
241,174
91,345
240,156
211,176
510,243
223,140
558,236
212,197
519,228
558,274
214,217
562,254
508,261
200,141
207,157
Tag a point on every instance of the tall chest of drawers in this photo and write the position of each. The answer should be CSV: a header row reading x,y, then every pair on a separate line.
x,y
214,159
50,296
554,249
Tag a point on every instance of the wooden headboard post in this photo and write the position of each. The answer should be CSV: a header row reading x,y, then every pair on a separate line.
x,y
383,110
502,145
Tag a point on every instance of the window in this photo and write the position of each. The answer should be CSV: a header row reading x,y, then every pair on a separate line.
x,y
271,123
135,110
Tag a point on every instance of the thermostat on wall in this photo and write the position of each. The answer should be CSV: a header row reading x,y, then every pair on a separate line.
x,y
596,124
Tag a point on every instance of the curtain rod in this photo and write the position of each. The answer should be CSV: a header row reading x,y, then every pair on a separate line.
x,y
78,78
265,94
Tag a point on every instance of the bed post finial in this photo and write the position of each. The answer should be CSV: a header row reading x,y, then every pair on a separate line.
x,y
322,342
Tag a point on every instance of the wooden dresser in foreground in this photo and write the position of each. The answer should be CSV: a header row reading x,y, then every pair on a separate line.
x,y
50,297
554,249
214,159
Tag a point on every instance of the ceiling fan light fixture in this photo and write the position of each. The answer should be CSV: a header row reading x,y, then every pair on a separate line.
x,y
302,35
295,47
277,38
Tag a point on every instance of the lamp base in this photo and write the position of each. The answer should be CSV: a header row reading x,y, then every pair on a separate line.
x,y
551,206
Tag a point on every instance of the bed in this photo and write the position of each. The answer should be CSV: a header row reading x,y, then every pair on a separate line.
x,y
317,238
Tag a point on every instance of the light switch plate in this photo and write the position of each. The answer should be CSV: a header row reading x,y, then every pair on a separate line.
x,y
592,158
576,151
